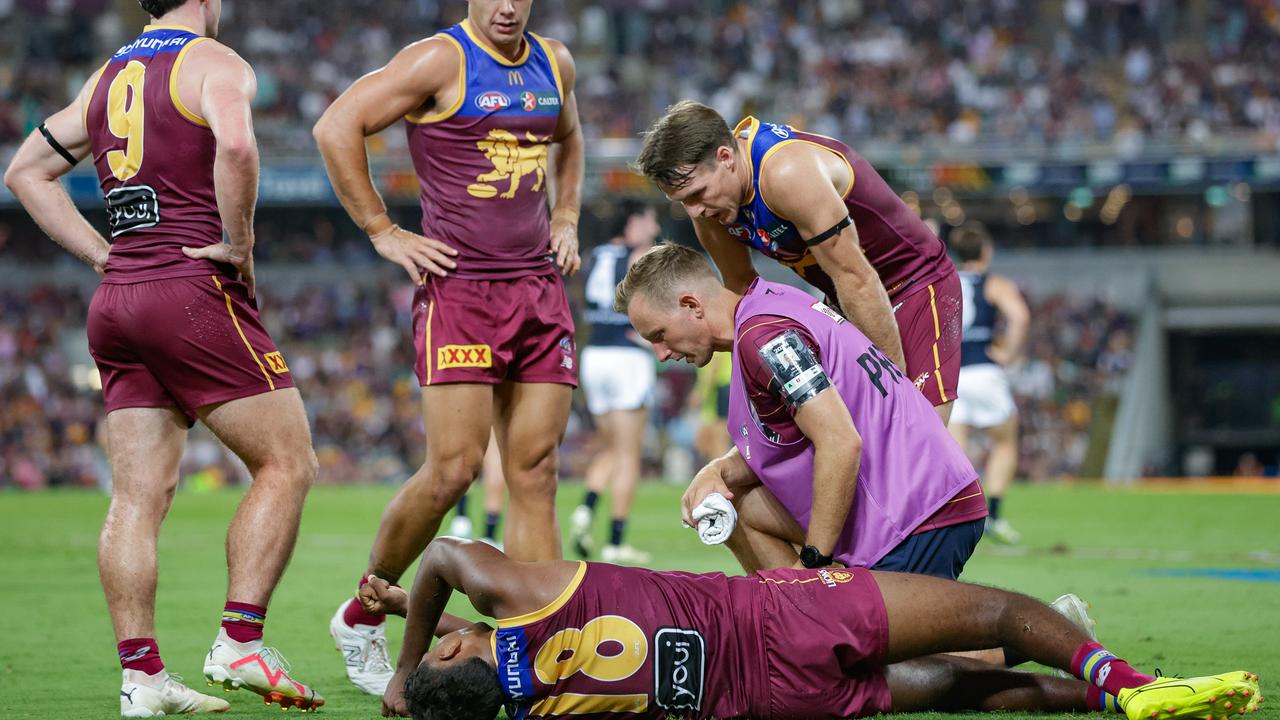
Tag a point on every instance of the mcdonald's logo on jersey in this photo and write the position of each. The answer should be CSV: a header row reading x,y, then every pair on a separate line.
x,y
514,77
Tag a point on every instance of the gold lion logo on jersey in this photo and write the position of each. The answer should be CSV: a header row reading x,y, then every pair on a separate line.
x,y
511,162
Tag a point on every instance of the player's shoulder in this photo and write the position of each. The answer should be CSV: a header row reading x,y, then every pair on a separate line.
x,y
211,56
791,162
560,53
438,53
557,47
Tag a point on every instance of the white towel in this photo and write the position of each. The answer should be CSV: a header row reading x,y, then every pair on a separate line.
x,y
716,518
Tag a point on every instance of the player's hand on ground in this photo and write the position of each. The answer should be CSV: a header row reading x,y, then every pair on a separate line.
x,y
707,481
380,597
225,253
564,245
415,253
393,703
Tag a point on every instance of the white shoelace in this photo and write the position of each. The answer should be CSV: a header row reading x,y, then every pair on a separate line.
x,y
272,658
379,658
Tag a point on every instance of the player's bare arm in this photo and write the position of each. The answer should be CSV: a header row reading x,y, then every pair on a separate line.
x,y
33,175
420,77
495,585
1003,293
570,164
382,598
837,453
220,83
727,475
731,258
803,184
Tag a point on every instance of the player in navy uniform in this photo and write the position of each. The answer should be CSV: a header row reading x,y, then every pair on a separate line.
x,y
984,402
618,377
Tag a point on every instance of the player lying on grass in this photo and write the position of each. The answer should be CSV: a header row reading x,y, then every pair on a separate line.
x,y
574,638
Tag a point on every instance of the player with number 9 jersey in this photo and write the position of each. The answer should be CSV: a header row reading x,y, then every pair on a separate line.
x,y
175,333
165,328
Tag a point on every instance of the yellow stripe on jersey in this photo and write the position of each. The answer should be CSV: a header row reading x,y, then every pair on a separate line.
x,y
554,605
555,65
430,117
750,125
185,111
937,334
769,153
231,311
575,704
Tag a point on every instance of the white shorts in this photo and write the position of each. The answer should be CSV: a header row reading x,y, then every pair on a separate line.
x,y
616,378
983,399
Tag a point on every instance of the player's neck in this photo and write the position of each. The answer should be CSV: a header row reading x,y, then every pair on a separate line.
x,y
187,16
974,267
742,169
721,309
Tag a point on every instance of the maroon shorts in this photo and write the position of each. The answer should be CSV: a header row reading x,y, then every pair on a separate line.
x,y
182,342
494,331
826,633
929,321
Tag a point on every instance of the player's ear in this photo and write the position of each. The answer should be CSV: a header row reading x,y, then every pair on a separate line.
x,y
450,646
725,155
691,302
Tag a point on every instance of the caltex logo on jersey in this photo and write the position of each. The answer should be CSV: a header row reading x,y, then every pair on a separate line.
x,y
528,101
492,100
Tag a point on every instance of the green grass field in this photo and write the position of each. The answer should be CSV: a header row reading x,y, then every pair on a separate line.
x,y
1135,555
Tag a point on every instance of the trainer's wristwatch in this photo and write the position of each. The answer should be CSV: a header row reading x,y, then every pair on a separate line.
x,y
812,557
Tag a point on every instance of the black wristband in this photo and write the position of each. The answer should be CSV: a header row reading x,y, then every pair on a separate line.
x,y
57,146
833,231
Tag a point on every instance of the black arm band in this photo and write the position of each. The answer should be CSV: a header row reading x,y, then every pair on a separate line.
x,y
834,231
53,143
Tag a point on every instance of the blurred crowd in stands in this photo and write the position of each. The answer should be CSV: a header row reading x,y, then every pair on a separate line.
x,y
920,73
347,344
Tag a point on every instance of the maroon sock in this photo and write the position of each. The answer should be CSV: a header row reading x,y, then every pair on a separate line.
x,y
1093,664
243,621
354,614
140,654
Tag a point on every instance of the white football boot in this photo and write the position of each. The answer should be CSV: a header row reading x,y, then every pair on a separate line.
x,y
364,650
144,696
260,669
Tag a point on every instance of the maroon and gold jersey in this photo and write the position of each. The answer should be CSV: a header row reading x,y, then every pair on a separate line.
x,y
482,162
624,643
154,158
905,253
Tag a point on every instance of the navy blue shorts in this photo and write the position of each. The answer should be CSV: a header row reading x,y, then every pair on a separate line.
x,y
940,553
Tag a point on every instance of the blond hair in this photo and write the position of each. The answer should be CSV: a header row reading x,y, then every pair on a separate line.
x,y
660,272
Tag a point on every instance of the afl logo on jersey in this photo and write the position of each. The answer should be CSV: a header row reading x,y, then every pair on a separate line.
x,y
492,100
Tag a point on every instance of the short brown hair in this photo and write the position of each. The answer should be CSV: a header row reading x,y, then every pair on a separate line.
x,y
685,137
160,8
660,271
968,240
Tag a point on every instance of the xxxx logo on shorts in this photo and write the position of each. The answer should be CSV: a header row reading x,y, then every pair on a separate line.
x,y
276,361
463,356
